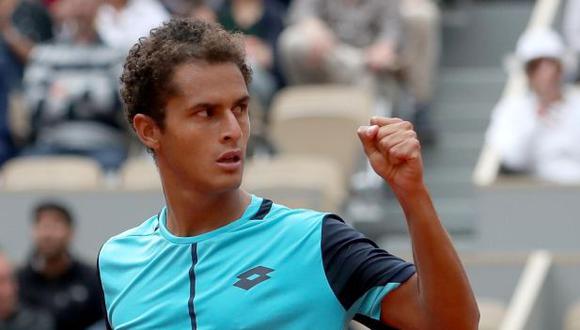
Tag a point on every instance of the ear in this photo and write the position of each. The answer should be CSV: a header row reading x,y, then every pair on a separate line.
x,y
147,130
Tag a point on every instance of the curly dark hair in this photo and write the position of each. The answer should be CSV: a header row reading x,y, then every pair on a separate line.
x,y
147,73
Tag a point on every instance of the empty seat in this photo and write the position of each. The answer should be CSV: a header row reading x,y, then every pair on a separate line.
x,y
297,182
321,121
51,173
140,174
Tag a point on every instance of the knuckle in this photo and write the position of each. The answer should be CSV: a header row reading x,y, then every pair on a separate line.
x,y
384,143
416,144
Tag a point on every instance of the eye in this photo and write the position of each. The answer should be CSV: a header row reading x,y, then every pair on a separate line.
x,y
240,109
203,112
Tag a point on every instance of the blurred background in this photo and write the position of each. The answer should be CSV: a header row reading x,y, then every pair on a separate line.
x,y
490,86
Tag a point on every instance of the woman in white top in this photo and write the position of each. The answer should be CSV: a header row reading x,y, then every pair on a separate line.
x,y
539,131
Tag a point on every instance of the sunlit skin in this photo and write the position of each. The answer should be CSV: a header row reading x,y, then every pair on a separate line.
x,y
205,118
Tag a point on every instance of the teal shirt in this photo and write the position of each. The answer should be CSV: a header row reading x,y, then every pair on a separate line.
x,y
273,268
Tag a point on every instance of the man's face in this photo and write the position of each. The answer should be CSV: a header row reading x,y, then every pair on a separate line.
x,y
206,127
52,234
545,76
8,288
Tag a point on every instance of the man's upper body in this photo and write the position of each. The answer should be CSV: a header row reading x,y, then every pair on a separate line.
x,y
55,281
186,93
73,297
273,268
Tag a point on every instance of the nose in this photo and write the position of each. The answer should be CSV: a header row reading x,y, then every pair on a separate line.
x,y
231,129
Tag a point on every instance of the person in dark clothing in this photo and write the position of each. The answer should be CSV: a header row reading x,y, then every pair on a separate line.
x,y
53,279
23,24
13,315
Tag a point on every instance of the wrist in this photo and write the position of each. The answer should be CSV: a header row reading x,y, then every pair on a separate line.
x,y
410,192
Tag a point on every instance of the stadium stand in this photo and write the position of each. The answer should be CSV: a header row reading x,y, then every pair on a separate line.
x,y
51,173
298,181
321,120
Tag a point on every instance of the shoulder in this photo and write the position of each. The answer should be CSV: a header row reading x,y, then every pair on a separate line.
x,y
291,217
354,264
514,104
128,239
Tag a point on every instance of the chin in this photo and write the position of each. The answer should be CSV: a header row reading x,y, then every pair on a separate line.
x,y
226,184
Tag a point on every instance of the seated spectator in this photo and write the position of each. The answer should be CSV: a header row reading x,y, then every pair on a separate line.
x,y
53,278
537,132
23,23
71,88
14,316
571,29
120,23
360,42
261,22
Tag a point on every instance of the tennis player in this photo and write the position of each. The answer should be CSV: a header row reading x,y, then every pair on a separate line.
x,y
217,257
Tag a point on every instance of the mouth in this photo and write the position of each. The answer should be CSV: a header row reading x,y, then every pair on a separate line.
x,y
230,160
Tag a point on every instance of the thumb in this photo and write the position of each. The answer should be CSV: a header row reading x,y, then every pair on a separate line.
x,y
367,136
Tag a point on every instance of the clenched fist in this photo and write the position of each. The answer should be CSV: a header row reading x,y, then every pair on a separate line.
x,y
394,152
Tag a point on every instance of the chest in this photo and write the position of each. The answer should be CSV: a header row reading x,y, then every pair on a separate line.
x,y
227,285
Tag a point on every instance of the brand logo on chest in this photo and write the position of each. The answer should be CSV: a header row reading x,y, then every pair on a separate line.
x,y
253,277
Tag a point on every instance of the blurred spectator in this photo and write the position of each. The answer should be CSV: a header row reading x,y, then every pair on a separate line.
x,y
14,316
261,22
572,29
6,145
71,88
192,8
53,279
23,23
538,131
121,23
364,42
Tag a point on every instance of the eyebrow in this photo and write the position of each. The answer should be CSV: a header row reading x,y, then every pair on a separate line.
x,y
242,99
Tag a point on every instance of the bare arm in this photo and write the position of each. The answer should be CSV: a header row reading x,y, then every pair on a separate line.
x,y
439,296
18,43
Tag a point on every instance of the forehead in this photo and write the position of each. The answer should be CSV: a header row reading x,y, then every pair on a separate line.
x,y
533,64
204,82
51,216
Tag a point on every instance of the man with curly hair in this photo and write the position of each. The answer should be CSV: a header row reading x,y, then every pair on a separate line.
x,y
217,257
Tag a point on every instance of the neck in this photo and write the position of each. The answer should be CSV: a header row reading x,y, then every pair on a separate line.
x,y
191,213
55,266
547,100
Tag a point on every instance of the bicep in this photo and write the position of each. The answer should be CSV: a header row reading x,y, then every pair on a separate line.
x,y
401,308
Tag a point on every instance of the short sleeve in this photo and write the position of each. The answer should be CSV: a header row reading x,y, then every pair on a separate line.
x,y
358,271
